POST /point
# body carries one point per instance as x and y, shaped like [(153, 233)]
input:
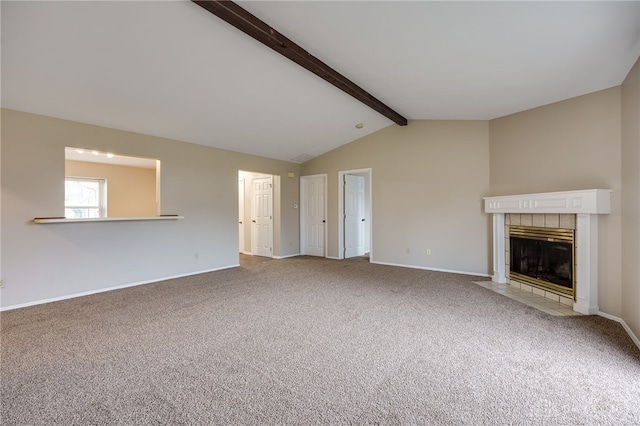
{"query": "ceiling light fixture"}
[(359, 126)]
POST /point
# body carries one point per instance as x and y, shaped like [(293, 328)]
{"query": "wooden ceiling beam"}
[(235, 15)]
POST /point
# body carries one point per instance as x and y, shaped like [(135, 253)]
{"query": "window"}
[(85, 198)]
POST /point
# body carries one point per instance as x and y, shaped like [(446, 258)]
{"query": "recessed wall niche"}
[(103, 184)]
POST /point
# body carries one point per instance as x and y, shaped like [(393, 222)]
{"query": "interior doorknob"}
[(240, 222), (363, 220), (324, 221), (253, 221)]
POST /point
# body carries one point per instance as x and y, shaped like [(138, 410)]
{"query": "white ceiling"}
[(172, 69)]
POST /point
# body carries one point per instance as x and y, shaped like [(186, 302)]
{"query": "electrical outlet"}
[(407, 250), (428, 252), (1, 283), (196, 256)]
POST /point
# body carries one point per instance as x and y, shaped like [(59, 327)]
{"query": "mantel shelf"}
[(105, 219), (589, 201)]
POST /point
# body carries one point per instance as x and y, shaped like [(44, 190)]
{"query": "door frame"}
[(303, 208), (368, 172), (248, 177), (241, 210), (253, 214)]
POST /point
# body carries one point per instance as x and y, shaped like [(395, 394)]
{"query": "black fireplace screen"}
[(549, 261)]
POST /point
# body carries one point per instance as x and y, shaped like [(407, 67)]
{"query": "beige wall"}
[(428, 180), (131, 191), (41, 262), (631, 199), (569, 145)]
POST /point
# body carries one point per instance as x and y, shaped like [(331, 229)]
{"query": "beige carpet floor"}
[(313, 341)]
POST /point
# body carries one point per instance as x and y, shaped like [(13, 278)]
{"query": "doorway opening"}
[(255, 213), (355, 217)]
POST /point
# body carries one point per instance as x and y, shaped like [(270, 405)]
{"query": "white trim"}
[(242, 187), (332, 257), (248, 253), (287, 256), (102, 290), (635, 338), (314, 176), (475, 274)]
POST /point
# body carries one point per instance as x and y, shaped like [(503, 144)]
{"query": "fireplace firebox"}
[(543, 258)]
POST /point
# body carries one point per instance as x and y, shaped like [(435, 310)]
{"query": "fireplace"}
[(543, 258), (547, 210)]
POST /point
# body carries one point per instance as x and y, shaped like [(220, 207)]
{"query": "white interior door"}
[(313, 215), (241, 215), (354, 216), (262, 233)]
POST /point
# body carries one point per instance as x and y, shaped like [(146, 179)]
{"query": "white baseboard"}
[(332, 257), (624, 325), (102, 290), (287, 256), (475, 274), (248, 253)]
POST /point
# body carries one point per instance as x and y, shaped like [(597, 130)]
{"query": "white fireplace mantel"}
[(588, 201), (586, 205)]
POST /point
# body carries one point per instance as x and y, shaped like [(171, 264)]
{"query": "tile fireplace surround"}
[(586, 205)]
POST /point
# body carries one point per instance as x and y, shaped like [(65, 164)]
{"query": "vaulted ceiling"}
[(172, 69)]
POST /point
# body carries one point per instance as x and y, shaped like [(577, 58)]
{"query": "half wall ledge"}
[(106, 219)]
